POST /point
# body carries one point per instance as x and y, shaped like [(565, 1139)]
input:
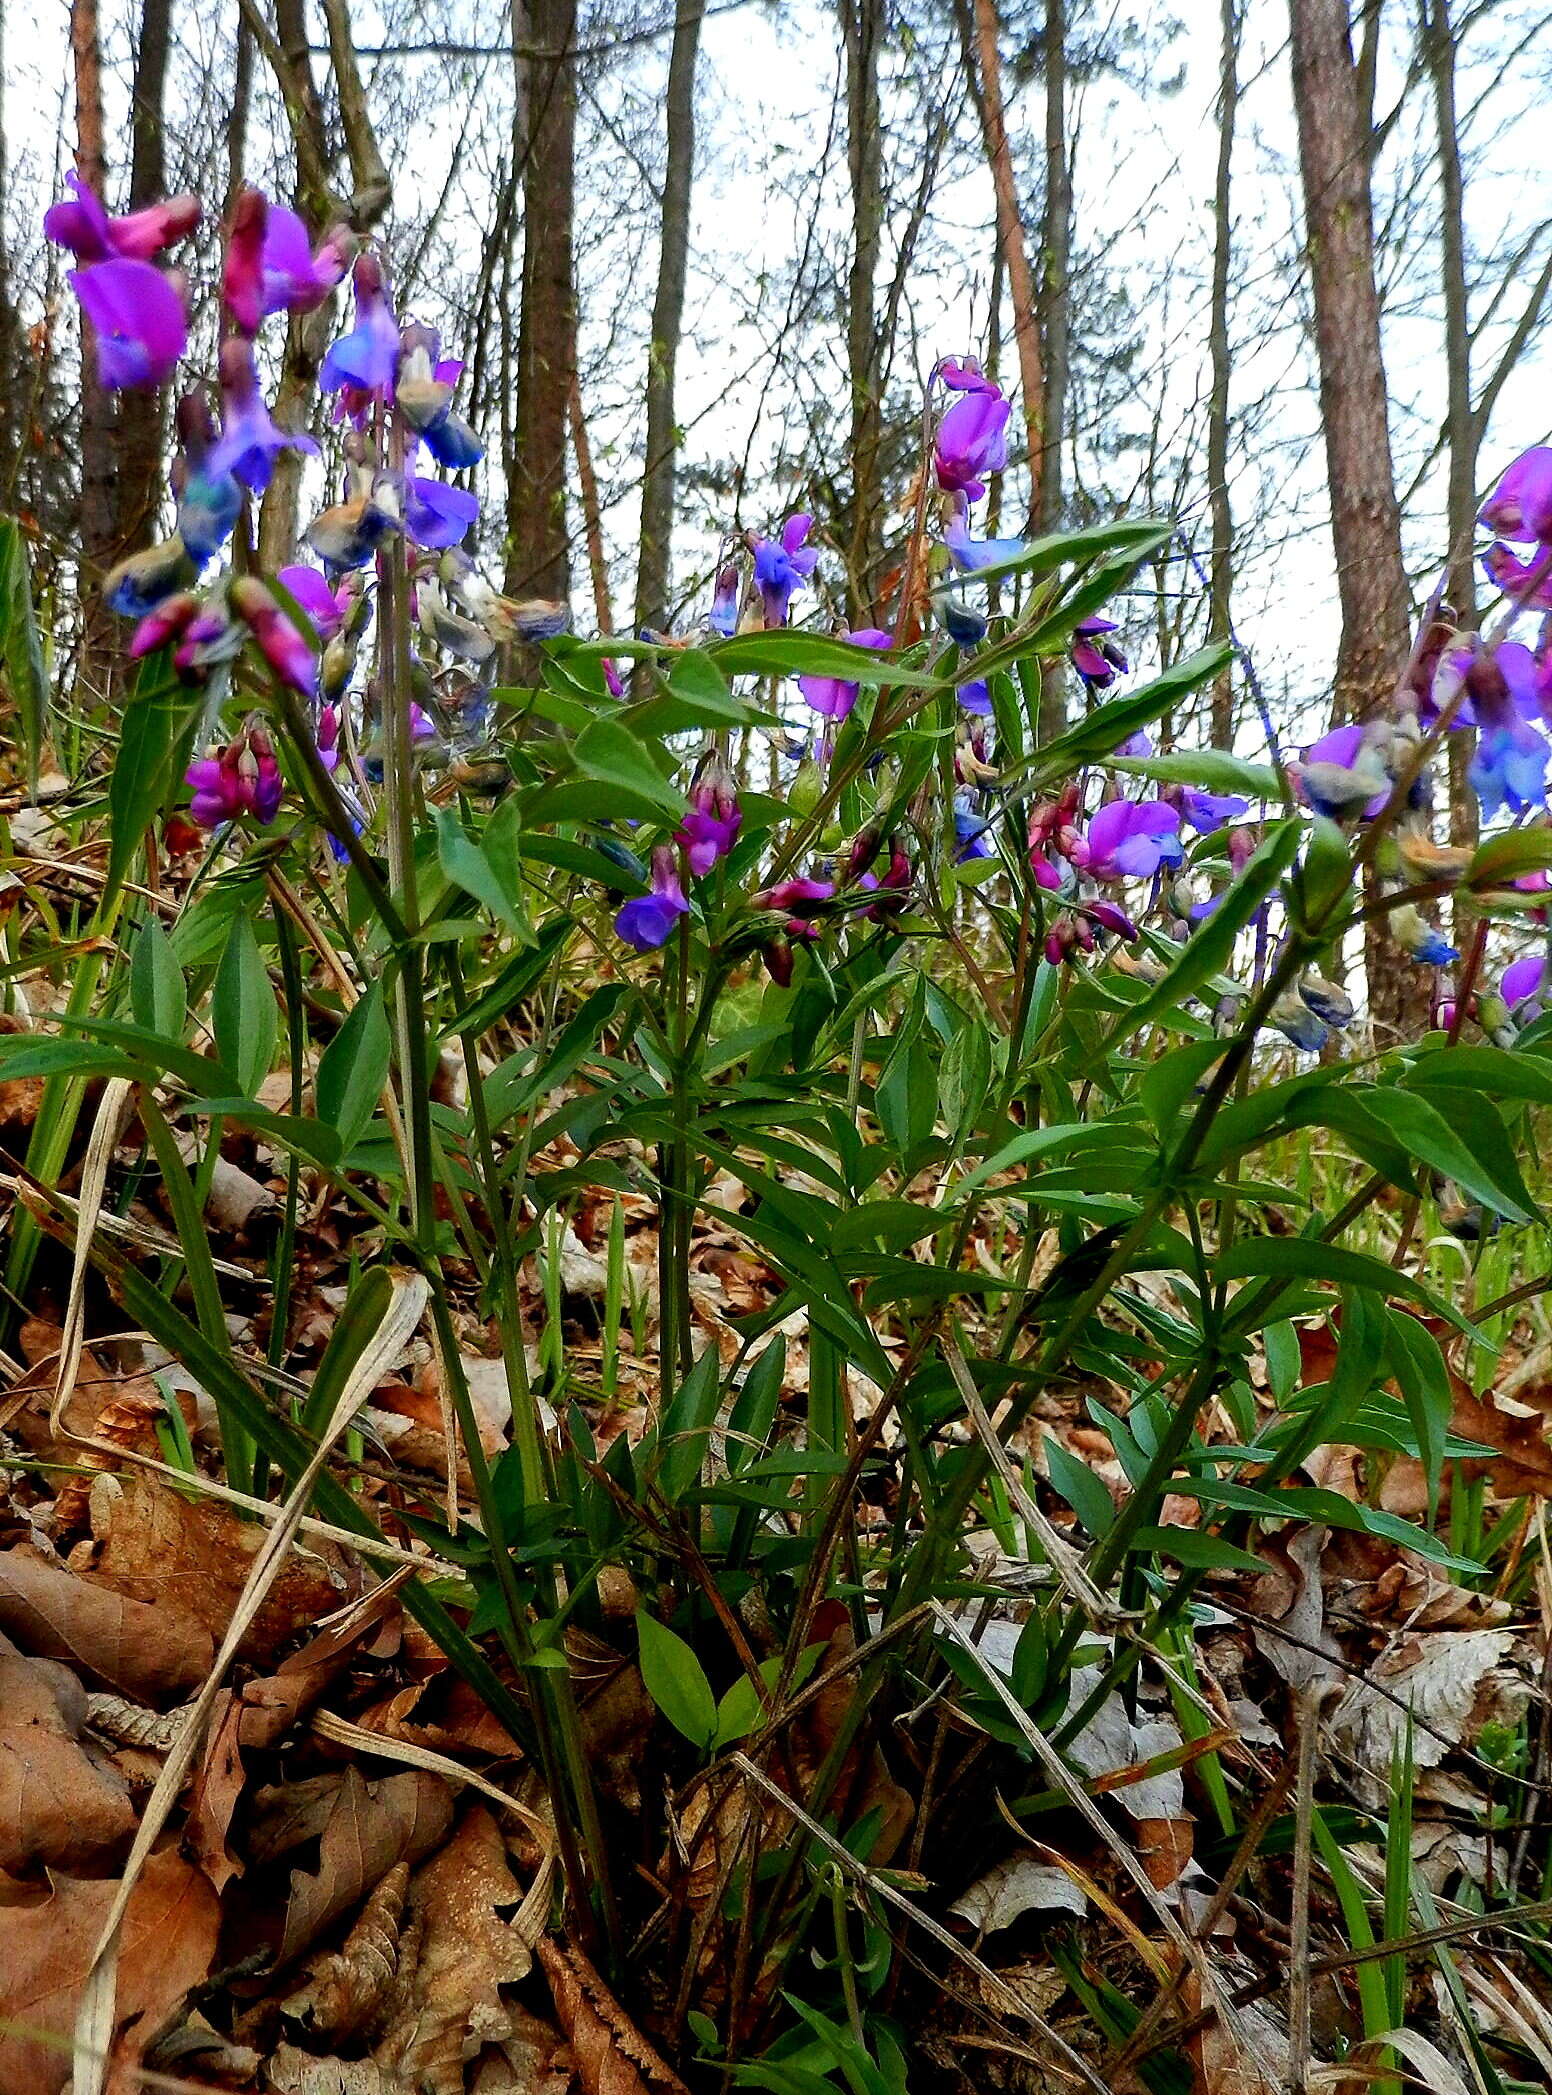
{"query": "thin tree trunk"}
[(538, 552), (237, 116), (1054, 289), (979, 31), (592, 510), (863, 27), (97, 417), (1219, 507), (137, 487), (655, 566), (13, 379), (1437, 35), (1365, 518)]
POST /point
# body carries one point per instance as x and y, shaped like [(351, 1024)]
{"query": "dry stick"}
[(993, 1982), (1308, 1709), (96, 2013)]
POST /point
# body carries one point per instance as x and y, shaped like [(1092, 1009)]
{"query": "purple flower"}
[(780, 569), (973, 554), (1520, 506), (137, 314), (1342, 774), (1097, 660), (802, 899), (834, 697), (1513, 577), (436, 515), (297, 277), (1207, 812), (81, 224), (710, 828), (723, 615), (1509, 768), (965, 377), (1129, 840), (1522, 980), (328, 737), (970, 829), (366, 359), (972, 441), (250, 441), (325, 607), (975, 697), (647, 921), (242, 779), (282, 644)]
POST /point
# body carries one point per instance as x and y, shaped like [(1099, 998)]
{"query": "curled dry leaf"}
[(370, 1827), (612, 2056), (447, 2002), (154, 1544), (342, 1994), (46, 1950), (1017, 1885), (1452, 1679), (58, 1806), (151, 1654), (294, 2072)]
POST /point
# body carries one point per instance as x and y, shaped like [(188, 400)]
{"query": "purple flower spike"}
[(366, 359), (250, 441), (137, 313), (834, 697), (647, 921), (1523, 980), (972, 441), (81, 224), (435, 515), (780, 570), (1520, 506), (1129, 840)]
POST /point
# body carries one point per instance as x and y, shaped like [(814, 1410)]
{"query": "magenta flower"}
[(1522, 980), (710, 828), (328, 737), (242, 779), (614, 683), (297, 276), (166, 623), (81, 224), (242, 276), (1520, 506), (965, 377), (1097, 660), (366, 359), (834, 697), (780, 570), (326, 607), (972, 441), (137, 314), (647, 921), (250, 441), (801, 899), (1129, 840), (288, 653), (1518, 578)]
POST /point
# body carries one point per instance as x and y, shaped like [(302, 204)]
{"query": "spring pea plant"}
[(977, 1043)]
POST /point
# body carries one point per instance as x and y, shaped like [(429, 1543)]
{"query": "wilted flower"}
[(723, 615), (834, 697), (138, 319), (1343, 774), (80, 223), (145, 579), (781, 569), (1417, 937), (964, 626), (1128, 840), (972, 436), (647, 921), (242, 779)]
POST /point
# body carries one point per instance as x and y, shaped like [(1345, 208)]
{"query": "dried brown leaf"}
[(342, 1994), (46, 1950), (58, 1806), (370, 1827), (294, 2072), (152, 1654), (448, 2005), (613, 2057)]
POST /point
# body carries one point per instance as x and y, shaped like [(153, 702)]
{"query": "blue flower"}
[(1509, 768)]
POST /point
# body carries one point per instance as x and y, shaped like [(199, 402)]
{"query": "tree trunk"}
[(97, 417), (13, 378), (538, 553), (137, 486), (1365, 519), (237, 116), (1054, 289), (863, 24), (654, 567), (979, 30), (1219, 508)]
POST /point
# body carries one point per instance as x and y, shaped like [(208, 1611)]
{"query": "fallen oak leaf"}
[(342, 1994), (371, 1826), (58, 1806), (151, 1654), (613, 2057)]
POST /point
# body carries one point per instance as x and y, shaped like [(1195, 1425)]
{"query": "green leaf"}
[(609, 753), (465, 863), (1088, 1495), (159, 723), (792, 652), (674, 1678), (1504, 858), (1211, 769), (1494, 1072), (684, 1435), (1324, 876), (353, 1069), (21, 651), (1211, 947), (1474, 1150), (1302, 1258), (156, 990), (1423, 1377), (1108, 726), (354, 1329), (965, 1079), (1129, 537), (243, 1016), (906, 1096)]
